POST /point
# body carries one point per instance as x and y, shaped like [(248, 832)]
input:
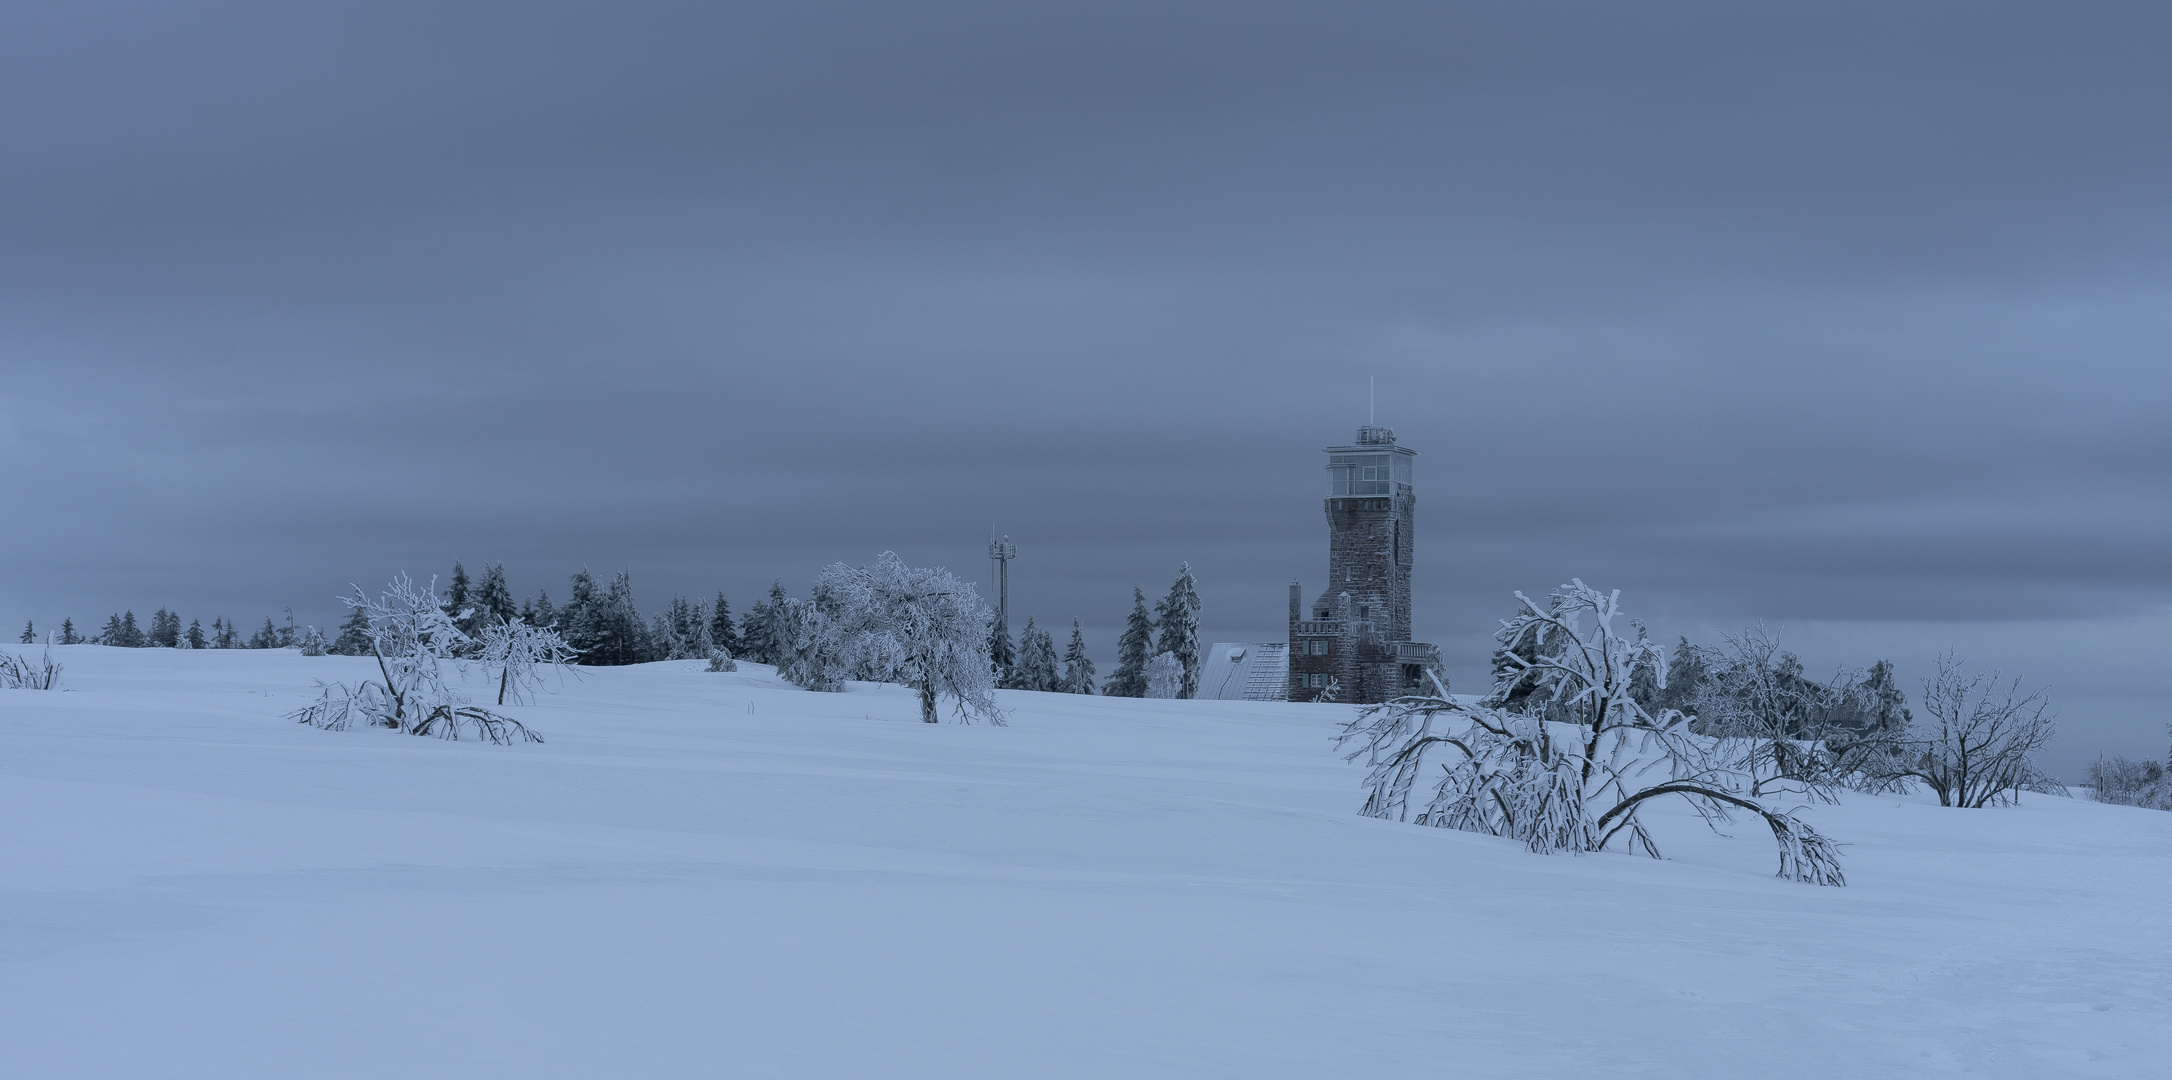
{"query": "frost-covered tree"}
[(122, 632), (1165, 676), (1078, 669), (165, 629), (195, 638), (1978, 741), (354, 634), (1176, 620), (457, 599), (809, 650), (414, 639), (68, 634), (520, 653), (764, 637), (313, 642), (722, 633), (1037, 665), (1569, 766), (2121, 782), (1133, 650), (266, 636), (918, 626), (30, 633), (494, 597), (539, 611)]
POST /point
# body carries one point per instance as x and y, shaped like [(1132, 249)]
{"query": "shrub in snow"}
[(1790, 733), (1165, 676), (720, 659), (1977, 744), (23, 673), (918, 626), (413, 638), (1560, 755), (519, 652), (2130, 783), (313, 642)]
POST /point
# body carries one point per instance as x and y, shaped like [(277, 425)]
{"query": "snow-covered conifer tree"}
[(493, 597), (1036, 668), (68, 634), (1078, 669), (1569, 767), (354, 636), (540, 612), (458, 604), (266, 636), (920, 627), (195, 637), (313, 643), (763, 635), (412, 638), (165, 629), (1133, 649), (1176, 619), (722, 633), (30, 633), (581, 620), (1165, 676)]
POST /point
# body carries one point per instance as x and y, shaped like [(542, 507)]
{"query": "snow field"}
[(673, 885)]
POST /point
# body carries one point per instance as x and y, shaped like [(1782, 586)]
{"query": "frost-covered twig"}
[(22, 673)]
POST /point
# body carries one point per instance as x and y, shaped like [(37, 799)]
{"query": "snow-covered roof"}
[(1245, 671)]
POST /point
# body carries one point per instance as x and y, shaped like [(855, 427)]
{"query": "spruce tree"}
[(540, 612), (1078, 670), (111, 634), (721, 633), (354, 634), (630, 637), (165, 629), (493, 598), (763, 626), (195, 636), (580, 622), (1002, 655), (68, 635), (30, 633), (456, 590), (1177, 618), (1132, 651), (227, 636), (266, 637), (131, 634), (1036, 668)]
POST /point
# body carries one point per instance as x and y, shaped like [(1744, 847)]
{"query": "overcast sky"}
[(1853, 319)]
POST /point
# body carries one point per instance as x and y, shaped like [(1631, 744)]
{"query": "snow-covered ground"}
[(720, 875)]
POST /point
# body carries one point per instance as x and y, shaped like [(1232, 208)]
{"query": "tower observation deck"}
[(1355, 636)]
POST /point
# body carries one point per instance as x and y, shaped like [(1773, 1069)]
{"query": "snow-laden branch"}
[(412, 638), (1561, 756)]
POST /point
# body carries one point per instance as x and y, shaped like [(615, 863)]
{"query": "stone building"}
[(1355, 637)]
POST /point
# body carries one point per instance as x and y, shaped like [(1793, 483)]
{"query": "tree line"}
[(166, 632)]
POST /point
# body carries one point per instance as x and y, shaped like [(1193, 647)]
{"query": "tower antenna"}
[(1368, 401)]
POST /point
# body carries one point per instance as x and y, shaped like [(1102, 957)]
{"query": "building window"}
[(1365, 611), (1316, 647)]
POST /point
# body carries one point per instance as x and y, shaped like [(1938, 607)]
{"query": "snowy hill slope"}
[(721, 875)]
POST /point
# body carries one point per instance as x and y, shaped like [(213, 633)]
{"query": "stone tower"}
[(1356, 635)]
